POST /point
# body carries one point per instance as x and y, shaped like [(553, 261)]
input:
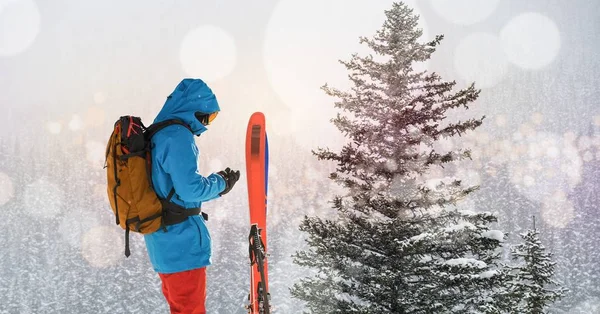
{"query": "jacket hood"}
[(189, 97)]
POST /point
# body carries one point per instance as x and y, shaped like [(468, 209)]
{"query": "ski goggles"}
[(206, 118)]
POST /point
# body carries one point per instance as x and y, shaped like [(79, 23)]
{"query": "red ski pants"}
[(185, 291)]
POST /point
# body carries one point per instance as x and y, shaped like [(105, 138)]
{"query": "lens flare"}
[(54, 127), (20, 26), (531, 40), (208, 52), (76, 123), (95, 116), (95, 153), (545, 163), (99, 98), (43, 198), (102, 246), (76, 222), (557, 210)]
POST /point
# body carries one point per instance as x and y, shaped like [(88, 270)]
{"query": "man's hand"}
[(231, 177)]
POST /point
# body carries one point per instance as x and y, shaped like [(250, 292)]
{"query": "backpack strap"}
[(155, 127), (151, 130), (172, 213)]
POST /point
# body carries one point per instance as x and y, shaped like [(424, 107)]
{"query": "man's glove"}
[(230, 177)]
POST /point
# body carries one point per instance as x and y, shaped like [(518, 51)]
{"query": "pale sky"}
[(57, 58)]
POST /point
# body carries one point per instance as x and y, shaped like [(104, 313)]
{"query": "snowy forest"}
[(433, 191)]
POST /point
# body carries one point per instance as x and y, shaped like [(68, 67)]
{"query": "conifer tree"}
[(531, 283), (398, 244)]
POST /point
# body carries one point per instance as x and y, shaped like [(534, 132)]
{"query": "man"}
[(181, 253)]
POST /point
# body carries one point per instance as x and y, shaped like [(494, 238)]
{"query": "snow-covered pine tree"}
[(398, 244), (531, 284)]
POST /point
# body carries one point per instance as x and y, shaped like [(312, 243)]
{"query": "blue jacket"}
[(186, 245)]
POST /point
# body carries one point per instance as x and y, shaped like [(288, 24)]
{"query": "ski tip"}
[(258, 115)]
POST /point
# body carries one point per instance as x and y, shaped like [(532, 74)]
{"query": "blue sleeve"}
[(181, 163)]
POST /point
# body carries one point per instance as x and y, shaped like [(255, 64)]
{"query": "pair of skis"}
[(257, 169)]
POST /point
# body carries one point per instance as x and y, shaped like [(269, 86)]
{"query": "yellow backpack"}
[(128, 166)]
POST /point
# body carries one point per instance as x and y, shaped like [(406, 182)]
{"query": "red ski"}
[(257, 165)]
